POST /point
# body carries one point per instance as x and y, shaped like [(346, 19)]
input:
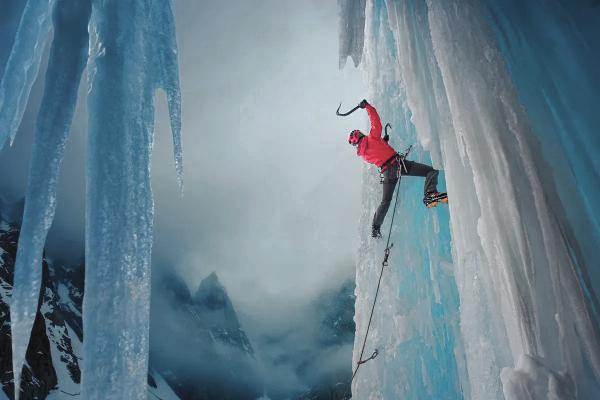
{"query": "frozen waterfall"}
[(493, 297)]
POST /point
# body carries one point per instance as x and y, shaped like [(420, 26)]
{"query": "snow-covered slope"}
[(54, 354), (492, 297)]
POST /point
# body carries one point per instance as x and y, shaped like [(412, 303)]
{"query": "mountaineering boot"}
[(431, 199), (375, 232)]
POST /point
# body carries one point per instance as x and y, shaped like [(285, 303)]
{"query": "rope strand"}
[(383, 265)]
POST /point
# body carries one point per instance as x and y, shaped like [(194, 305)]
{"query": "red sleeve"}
[(375, 122)]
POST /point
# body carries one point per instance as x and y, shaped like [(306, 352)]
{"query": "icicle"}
[(23, 66), (67, 60), (166, 54), (134, 55)]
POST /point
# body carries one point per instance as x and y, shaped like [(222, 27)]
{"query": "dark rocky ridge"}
[(39, 375)]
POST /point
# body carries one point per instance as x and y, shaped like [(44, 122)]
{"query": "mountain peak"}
[(212, 278), (213, 303)]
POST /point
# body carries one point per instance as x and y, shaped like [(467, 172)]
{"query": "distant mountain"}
[(198, 344), (220, 354), (199, 350), (215, 311), (54, 353)]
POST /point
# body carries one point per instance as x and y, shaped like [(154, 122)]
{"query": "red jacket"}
[(372, 148)]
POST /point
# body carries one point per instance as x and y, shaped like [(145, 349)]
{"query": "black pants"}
[(390, 178)]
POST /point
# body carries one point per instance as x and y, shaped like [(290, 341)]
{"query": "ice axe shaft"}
[(346, 113)]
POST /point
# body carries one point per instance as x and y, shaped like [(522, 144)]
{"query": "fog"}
[(272, 189), (271, 186)]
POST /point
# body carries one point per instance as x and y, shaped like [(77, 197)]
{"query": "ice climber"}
[(375, 150)]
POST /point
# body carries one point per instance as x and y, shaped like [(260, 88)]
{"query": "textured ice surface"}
[(133, 54), (22, 66), (519, 266), (68, 58), (555, 74), (415, 326)]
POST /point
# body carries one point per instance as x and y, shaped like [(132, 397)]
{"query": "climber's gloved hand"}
[(363, 104), (386, 138)]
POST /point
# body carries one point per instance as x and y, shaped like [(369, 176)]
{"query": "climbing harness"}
[(384, 263), (397, 158), (402, 157)]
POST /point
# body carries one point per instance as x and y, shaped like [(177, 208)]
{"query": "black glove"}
[(363, 104), (386, 138)]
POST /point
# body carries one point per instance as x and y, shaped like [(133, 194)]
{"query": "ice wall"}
[(133, 54), (553, 56), (526, 320)]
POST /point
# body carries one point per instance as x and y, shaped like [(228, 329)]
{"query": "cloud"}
[(272, 191)]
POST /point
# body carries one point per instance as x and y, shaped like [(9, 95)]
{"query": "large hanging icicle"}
[(134, 54), (167, 74), (23, 65), (68, 58), (527, 324)]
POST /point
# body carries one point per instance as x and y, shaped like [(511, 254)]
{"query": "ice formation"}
[(492, 298), (68, 58), (133, 53)]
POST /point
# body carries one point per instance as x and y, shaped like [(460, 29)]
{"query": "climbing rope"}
[(384, 264)]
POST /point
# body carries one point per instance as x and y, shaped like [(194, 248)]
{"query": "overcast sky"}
[(272, 189)]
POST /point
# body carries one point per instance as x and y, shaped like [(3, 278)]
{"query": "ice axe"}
[(346, 113)]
